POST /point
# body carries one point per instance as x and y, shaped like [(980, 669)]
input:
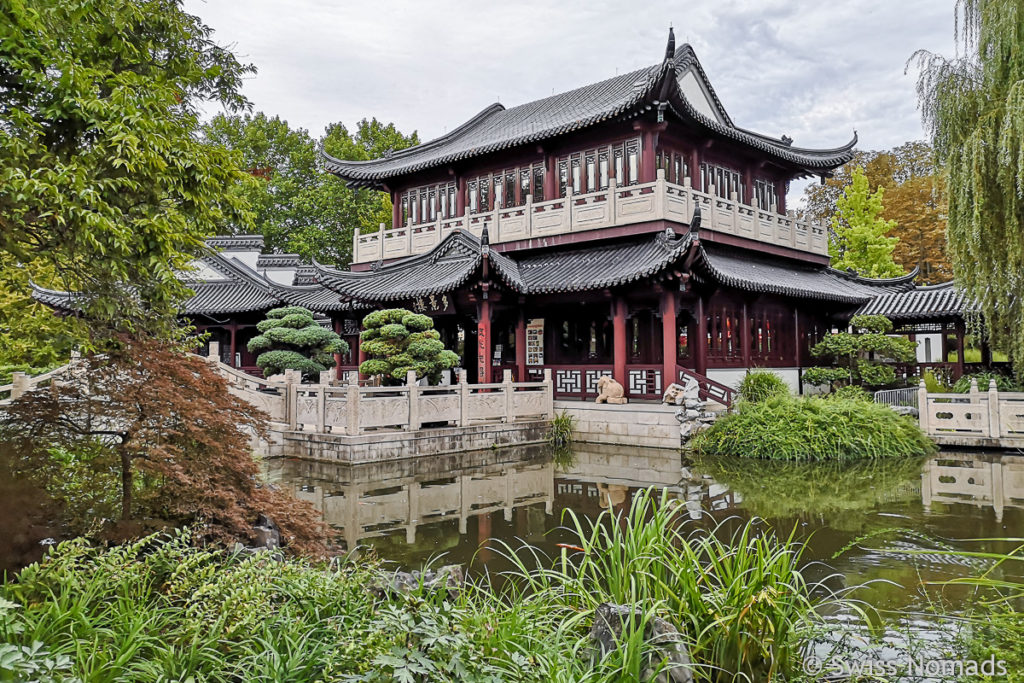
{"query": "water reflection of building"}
[(379, 499), (981, 479)]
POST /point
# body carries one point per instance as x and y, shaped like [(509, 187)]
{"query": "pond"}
[(461, 508)]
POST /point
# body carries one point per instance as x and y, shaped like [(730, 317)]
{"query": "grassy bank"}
[(161, 609), (795, 428)]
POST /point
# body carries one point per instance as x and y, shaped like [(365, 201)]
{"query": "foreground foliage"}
[(290, 339), (800, 428), (760, 385), (101, 173), (973, 106), (155, 438), (162, 609)]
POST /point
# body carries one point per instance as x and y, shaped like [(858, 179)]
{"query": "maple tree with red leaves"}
[(181, 441)]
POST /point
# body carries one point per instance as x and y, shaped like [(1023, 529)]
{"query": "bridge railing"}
[(327, 407), (991, 414), (21, 383)]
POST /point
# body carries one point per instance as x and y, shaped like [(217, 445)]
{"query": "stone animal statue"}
[(609, 391)]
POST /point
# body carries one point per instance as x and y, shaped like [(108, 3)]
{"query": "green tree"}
[(290, 339), (973, 106), (915, 197), (300, 207), (859, 241), (857, 357), (101, 172), (396, 341)]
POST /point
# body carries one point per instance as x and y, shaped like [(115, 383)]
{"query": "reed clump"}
[(802, 428)]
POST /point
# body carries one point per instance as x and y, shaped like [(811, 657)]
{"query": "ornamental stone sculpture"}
[(610, 391)]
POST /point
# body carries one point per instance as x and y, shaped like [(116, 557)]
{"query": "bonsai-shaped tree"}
[(856, 356), (290, 339), (396, 341)]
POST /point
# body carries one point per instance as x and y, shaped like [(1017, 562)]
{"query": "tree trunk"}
[(127, 484)]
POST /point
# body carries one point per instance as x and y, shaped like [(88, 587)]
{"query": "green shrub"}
[(792, 428), (850, 393), (397, 341), (290, 339), (1003, 382), (934, 384), (760, 385)]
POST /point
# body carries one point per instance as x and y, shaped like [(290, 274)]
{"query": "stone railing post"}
[(508, 389), (994, 427), (660, 188), (19, 384), (922, 406), (613, 191), (549, 390), (214, 353), (463, 400), (413, 391), (975, 394), (321, 401), (327, 377), (352, 409), (528, 215), (292, 380), (568, 205)]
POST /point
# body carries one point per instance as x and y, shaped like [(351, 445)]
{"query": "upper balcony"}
[(609, 208)]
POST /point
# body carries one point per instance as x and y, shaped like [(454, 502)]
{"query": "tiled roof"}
[(229, 296), (278, 261), (236, 242), (794, 279), (918, 304), (496, 128), (596, 267), (442, 269)]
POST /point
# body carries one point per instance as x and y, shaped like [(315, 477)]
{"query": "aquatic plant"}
[(795, 428), (760, 385), (560, 439)]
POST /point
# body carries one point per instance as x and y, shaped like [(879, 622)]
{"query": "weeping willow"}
[(973, 106)]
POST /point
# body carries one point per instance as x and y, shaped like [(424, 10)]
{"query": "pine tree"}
[(397, 341), (973, 106), (290, 339), (860, 233)]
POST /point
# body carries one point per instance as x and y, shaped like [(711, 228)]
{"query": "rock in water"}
[(606, 634)]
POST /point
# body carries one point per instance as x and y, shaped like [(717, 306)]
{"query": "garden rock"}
[(606, 633), (906, 410), (674, 394), (265, 533), (449, 576)]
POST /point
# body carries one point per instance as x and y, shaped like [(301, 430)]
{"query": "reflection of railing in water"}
[(377, 501), (973, 478)]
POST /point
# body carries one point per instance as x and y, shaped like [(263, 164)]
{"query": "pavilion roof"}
[(791, 278), (920, 304), (660, 86)]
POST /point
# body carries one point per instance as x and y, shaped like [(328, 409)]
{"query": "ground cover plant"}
[(164, 609), (760, 385), (806, 428)]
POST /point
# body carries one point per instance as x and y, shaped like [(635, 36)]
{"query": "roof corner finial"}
[(670, 49), (695, 221), (485, 239)]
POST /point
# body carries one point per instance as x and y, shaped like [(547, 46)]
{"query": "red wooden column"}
[(669, 338), (700, 361), (745, 340), (396, 209), (361, 355), (550, 177), (695, 169), (619, 340), (233, 328), (483, 343), (460, 198), (521, 346), (780, 192)]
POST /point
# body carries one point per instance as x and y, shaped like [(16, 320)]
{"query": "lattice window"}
[(766, 195), (591, 379), (726, 181), (644, 382), (567, 381)]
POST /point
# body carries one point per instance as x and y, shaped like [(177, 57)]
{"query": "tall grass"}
[(161, 609), (784, 428), (761, 385)]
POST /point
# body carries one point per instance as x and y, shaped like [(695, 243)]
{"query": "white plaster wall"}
[(282, 276), (933, 345), (733, 376)]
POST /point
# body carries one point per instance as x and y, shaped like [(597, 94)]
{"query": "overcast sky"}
[(810, 69)]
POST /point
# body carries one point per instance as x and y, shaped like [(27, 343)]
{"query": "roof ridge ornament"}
[(670, 49), (695, 221)]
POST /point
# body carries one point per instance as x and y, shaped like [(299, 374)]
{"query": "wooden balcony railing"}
[(613, 207)]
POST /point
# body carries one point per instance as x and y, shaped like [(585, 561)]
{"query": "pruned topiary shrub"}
[(795, 428), (855, 357), (760, 385), (396, 341), (290, 339)]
